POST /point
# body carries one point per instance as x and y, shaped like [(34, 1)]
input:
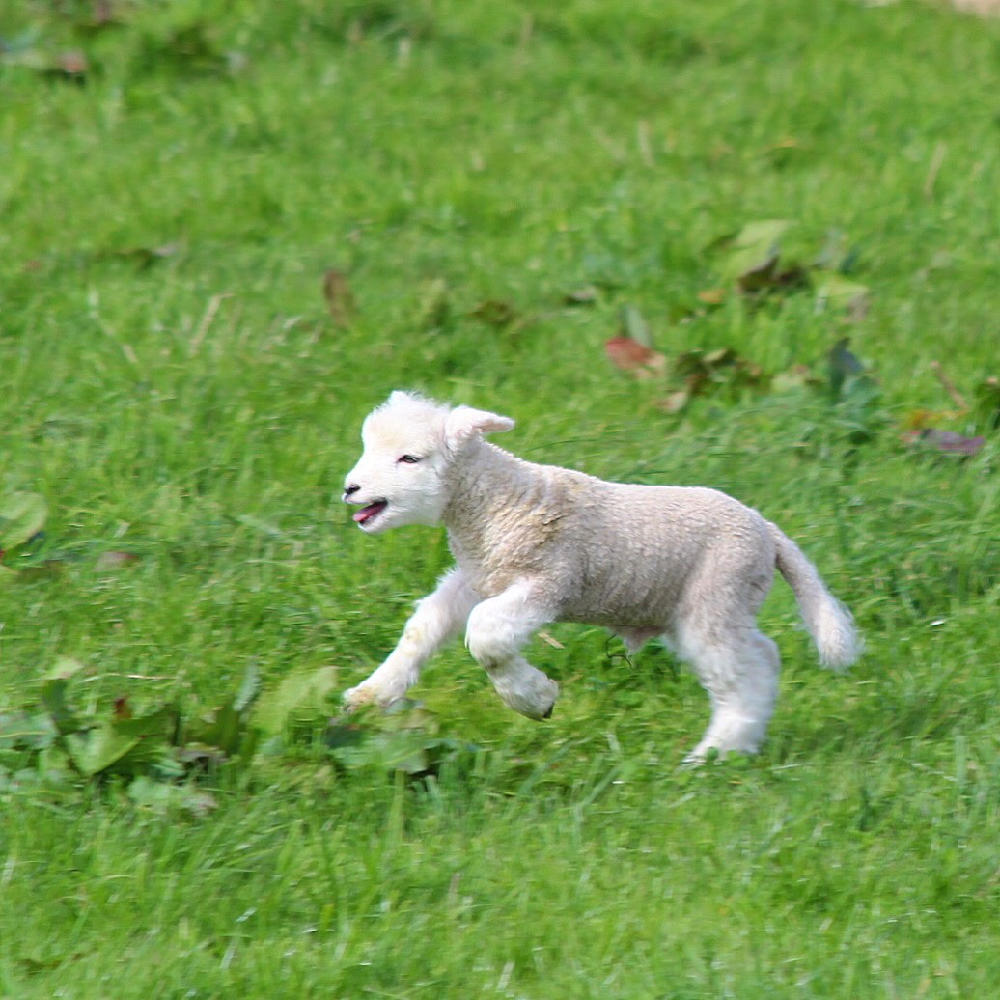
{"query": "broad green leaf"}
[(22, 516), (300, 698), (755, 249), (414, 753), (249, 688), (163, 796), (124, 745), (837, 292), (26, 730), (53, 694), (224, 729), (97, 749), (841, 364), (635, 327)]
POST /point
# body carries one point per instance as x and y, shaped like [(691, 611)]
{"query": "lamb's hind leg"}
[(497, 629), (740, 672)]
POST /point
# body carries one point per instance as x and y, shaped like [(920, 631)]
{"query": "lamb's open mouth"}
[(371, 510)]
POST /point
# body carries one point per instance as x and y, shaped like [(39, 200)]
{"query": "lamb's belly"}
[(623, 602)]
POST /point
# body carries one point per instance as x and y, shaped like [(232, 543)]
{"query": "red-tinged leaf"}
[(72, 63), (947, 442), (107, 561), (122, 711), (338, 295), (634, 358)]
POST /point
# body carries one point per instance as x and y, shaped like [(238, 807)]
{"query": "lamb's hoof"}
[(358, 697), (547, 714)]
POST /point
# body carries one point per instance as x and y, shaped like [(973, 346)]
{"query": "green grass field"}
[(501, 188)]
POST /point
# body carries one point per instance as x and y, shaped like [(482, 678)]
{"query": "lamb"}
[(535, 544)]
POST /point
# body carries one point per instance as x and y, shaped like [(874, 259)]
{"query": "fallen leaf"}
[(712, 296), (675, 402), (147, 256), (22, 517), (703, 371), (837, 292), (922, 419), (188, 49), (494, 312), (948, 442), (637, 359), (68, 65), (585, 296), (72, 63), (754, 251), (115, 560), (834, 255), (338, 295), (161, 797)]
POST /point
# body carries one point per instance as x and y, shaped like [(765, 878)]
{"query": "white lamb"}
[(538, 543)]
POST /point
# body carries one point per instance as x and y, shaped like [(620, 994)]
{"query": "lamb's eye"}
[(408, 459)]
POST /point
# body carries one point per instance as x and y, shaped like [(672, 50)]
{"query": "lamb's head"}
[(409, 444)]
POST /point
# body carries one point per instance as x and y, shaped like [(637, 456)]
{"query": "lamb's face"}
[(399, 478), (409, 443)]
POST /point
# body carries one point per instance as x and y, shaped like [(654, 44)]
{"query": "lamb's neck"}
[(485, 484)]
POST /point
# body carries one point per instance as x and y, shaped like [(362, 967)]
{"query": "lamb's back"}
[(629, 551)]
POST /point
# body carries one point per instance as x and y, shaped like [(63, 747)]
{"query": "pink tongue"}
[(367, 512)]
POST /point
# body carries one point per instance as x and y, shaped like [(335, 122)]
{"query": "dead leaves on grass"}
[(756, 264)]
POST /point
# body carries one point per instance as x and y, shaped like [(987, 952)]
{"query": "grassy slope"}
[(514, 153)]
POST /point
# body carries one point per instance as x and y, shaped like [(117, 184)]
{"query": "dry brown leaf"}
[(631, 356), (338, 295)]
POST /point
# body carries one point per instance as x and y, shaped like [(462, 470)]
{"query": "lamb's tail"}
[(828, 621)]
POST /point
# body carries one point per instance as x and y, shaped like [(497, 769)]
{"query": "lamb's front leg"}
[(497, 630), (437, 618)]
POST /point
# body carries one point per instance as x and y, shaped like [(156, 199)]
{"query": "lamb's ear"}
[(399, 396), (464, 422)]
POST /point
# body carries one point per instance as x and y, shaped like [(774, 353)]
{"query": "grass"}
[(175, 387)]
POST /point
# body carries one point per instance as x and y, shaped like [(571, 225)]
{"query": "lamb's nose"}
[(348, 490)]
